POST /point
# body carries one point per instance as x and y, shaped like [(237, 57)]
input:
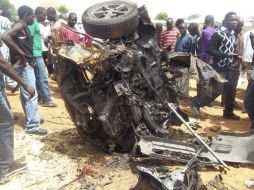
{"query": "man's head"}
[(72, 20), (63, 16), (26, 14), (159, 27), (193, 29), (209, 21), (51, 14), (170, 23), (239, 26), (40, 14), (230, 20), (6, 13), (183, 28), (178, 22)]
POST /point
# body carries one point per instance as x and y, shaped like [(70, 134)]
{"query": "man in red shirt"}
[(68, 33), (169, 36)]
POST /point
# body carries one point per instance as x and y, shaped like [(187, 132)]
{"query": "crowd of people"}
[(25, 48), (26, 44), (223, 47)]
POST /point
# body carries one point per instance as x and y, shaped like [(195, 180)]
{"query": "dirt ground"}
[(53, 161)]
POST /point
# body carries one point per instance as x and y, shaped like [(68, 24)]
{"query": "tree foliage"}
[(6, 5), (194, 16), (161, 16), (63, 9)]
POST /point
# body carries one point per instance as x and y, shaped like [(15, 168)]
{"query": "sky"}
[(174, 8)]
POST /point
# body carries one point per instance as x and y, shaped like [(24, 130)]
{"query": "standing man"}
[(5, 25), (42, 84), (247, 57), (237, 62), (184, 42), (194, 32), (20, 43), (56, 25), (169, 36), (7, 165), (159, 29), (206, 36), (221, 47), (45, 33), (249, 94), (69, 32)]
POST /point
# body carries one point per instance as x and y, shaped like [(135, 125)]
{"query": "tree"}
[(63, 9), (161, 16), (194, 16), (6, 5)]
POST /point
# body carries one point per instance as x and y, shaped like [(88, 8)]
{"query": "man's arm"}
[(191, 45), (252, 40), (8, 70), (7, 38), (213, 45)]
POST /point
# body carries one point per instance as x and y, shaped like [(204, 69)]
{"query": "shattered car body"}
[(233, 147), (162, 179), (120, 92)]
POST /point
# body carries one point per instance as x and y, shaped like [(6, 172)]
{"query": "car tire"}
[(111, 19)]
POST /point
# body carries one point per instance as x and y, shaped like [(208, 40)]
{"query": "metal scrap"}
[(162, 179), (234, 147)]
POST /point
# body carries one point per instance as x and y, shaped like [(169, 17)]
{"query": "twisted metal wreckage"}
[(125, 96)]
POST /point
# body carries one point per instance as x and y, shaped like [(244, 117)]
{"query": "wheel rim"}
[(111, 11)]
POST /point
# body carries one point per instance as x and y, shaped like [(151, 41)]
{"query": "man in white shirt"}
[(45, 33), (5, 24), (249, 94), (247, 58)]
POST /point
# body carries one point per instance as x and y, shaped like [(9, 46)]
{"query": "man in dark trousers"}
[(7, 165), (249, 94), (221, 47), (20, 43)]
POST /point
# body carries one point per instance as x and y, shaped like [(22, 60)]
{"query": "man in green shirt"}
[(42, 84)]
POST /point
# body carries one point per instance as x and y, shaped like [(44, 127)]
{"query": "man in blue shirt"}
[(184, 42)]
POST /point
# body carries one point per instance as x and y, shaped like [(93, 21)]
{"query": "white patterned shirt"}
[(5, 24)]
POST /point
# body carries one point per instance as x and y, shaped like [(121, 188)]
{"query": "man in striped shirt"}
[(169, 36)]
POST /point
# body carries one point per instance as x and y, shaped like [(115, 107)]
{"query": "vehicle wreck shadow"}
[(211, 117), (68, 142)]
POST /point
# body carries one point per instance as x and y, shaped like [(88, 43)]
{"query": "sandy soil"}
[(54, 160)]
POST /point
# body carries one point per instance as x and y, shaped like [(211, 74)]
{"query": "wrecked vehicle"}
[(125, 96), (123, 92), (118, 93)]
